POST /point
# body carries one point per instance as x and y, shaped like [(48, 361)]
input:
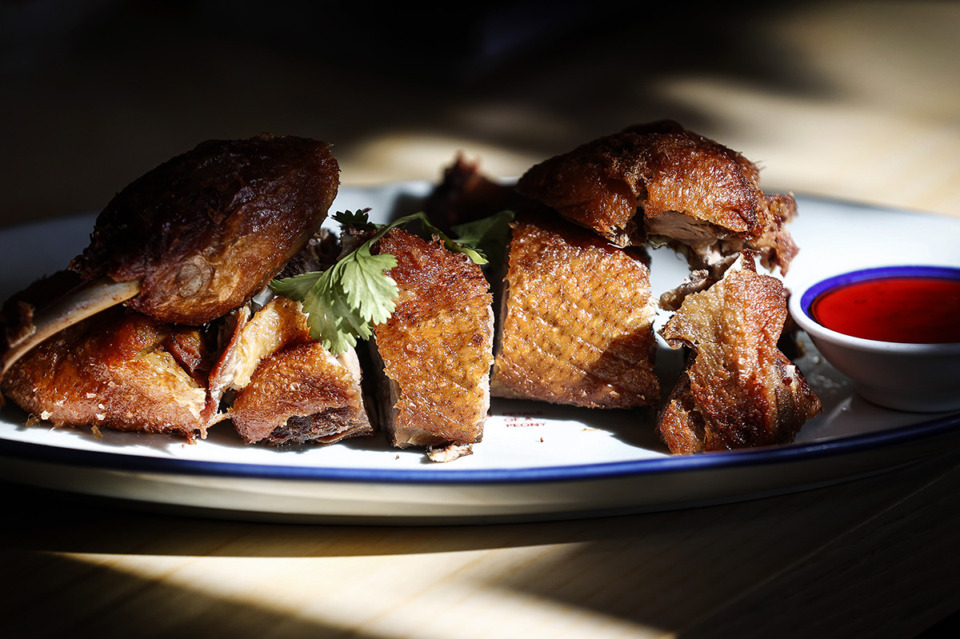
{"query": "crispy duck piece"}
[(120, 370), (662, 183), (437, 347), (279, 324), (576, 320), (195, 237), (575, 313), (287, 388), (738, 389), (465, 194)]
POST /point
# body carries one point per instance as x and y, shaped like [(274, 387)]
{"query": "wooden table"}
[(850, 100)]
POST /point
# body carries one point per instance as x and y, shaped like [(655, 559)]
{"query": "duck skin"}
[(437, 347), (574, 312), (738, 390), (660, 182), (284, 388), (576, 319), (121, 370), (195, 237)]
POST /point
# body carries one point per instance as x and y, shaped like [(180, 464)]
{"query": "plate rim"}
[(669, 464), (935, 425)]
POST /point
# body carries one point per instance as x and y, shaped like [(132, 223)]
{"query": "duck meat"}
[(436, 349), (196, 237), (662, 183), (738, 389)]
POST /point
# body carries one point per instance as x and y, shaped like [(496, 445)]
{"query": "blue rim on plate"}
[(939, 426), (825, 222)]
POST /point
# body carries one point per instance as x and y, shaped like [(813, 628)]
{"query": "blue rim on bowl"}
[(801, 305), (917, 377)]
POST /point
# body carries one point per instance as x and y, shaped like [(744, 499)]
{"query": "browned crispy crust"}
[(279, 324), (661, 181), (206, 230), (738, 390), (301, 394), (437, 346), (118, 370), (288, 388), (576, 320)]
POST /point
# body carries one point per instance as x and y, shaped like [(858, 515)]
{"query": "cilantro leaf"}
[(296, 287), (332, 322), (355, 218), (367, 287), (344, 302), (488, 235)]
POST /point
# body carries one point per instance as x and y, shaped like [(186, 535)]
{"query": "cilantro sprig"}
[(487, 235), (345, 302)]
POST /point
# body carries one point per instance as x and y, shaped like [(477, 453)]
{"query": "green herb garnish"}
[(488, 235), (344, 302)]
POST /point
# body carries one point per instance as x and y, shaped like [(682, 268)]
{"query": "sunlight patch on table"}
[(378, 596), (803, 145)]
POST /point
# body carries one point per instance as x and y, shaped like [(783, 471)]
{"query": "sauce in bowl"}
[(911, 305), (895, 331)]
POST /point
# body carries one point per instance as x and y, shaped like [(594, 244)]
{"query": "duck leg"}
[(196, 237), (84, 300)]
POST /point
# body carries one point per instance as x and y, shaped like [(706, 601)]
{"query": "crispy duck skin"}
[(289, 389), (437, 347), (738, 390), (576, 320), (660, 181), (194, 238), (120, 370), (205, 231), (465, 194), (302, 394), (280, 323)]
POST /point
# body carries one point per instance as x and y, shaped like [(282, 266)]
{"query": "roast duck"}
[(166, 322)]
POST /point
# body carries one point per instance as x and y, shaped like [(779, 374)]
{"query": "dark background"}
[(93, 94)]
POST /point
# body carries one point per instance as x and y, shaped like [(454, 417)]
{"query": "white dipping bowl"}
[(902, 376)]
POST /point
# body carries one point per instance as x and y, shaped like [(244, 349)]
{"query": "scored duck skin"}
[(576, 320), (599, 354), (738, 390), (437, 346), (661, 182)]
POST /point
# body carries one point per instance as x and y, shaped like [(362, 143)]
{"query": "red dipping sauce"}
[(913, 305)]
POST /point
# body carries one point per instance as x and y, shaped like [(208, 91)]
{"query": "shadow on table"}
[(733, 565)]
